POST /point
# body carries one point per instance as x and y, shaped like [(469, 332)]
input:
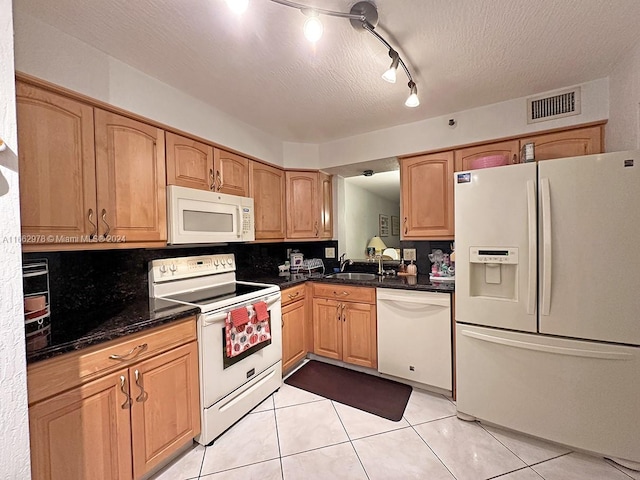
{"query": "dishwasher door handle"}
[(405, 299), (413, 306)]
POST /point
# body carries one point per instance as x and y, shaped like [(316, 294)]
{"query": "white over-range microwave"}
[(199, 216)]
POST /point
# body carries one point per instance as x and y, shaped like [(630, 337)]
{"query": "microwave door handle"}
[(239, 222)]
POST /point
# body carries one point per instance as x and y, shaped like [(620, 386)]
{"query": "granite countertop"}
[(85, 328), (419, 282)]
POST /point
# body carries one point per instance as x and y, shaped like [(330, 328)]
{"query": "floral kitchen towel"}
[(245, 336)]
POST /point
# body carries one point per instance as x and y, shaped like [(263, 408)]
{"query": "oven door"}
[(221, 375)]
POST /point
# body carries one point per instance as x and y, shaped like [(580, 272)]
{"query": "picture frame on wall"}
[(395, 226), (384, 225)]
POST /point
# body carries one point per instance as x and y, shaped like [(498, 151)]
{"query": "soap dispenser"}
[(412, 269), (402, 268)]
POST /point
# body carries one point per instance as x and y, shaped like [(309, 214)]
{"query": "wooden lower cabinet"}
[(121, 425), (294, 346), (83, 433), (165, 411), (295, 326), (345, 330)]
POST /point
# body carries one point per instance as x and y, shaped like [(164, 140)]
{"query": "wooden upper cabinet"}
[(465, 156), (303, 210), (569, 143), (267, 188), (326, 205), (130, 172), (189, 163), (56, 163), (231, 173), (426, 184)]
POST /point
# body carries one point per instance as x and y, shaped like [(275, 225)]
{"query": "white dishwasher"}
[(414, 336)]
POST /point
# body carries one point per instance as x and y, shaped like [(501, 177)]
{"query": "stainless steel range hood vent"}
[(562, 104)]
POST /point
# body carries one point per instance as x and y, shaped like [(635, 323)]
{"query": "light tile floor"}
[(295, 435)]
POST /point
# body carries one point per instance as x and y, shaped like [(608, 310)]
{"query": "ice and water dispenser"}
[(494, 272)]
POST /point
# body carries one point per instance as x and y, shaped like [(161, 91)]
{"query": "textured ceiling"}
[(260, 69)]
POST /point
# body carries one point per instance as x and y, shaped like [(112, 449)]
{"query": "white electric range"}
[(229, 386)]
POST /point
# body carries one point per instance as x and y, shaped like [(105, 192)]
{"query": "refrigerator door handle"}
[(546, 348), (546, 246), (531, 218)]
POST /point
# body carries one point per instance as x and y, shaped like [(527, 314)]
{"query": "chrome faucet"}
[(380, 265), (344, 262)]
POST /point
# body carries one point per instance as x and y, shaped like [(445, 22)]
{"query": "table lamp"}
[(377, 244)]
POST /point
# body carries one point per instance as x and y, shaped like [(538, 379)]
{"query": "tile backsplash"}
[(93, 279)]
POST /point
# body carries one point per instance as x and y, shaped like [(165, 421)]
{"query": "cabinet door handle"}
[(344, 318), (123, 389), (338, 311), (95, 227), (128, 356), (219, 177), (143, 395), (315, 225), (294, 295), (104, 219), (212, 182), (342, 293), (405, 225)]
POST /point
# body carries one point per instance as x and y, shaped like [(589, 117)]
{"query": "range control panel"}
[(187, 267), (493, 255)]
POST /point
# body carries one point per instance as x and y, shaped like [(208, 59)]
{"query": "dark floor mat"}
[(376, 395)]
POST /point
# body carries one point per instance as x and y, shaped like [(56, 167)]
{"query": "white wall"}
[(623, 129), (361, 219), (50, 54), (301, 155), (479, 124), (14, 426)]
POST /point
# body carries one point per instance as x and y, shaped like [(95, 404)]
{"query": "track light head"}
[(238, 6), (313, 28), (413, 100), (390, 75)]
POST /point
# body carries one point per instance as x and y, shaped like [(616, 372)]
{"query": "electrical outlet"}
[(330, 252), (409, 254), (288, 253)]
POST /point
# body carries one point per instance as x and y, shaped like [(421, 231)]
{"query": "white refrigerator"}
[(548, 300)]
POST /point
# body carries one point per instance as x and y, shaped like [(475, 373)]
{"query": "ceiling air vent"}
[(562, 104)]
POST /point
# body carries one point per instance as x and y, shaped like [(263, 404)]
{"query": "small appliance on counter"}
[(37, 314)]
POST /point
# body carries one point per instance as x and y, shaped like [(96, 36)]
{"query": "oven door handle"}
[(210, 319)]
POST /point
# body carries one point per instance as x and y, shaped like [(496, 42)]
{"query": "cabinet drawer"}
[(58, 374), (293, 294), (344, 292)]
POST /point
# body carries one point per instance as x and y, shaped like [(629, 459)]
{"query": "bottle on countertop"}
[(412, 269), (402, 268)]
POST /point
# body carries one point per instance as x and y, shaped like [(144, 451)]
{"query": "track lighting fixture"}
[(363, 16)]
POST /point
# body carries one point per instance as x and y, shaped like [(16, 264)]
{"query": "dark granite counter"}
[(83, 329), (419, 282)]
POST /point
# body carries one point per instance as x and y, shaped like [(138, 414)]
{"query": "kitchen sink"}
[(353, 276)]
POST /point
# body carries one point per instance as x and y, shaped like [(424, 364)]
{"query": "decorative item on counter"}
[(441, 269)]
